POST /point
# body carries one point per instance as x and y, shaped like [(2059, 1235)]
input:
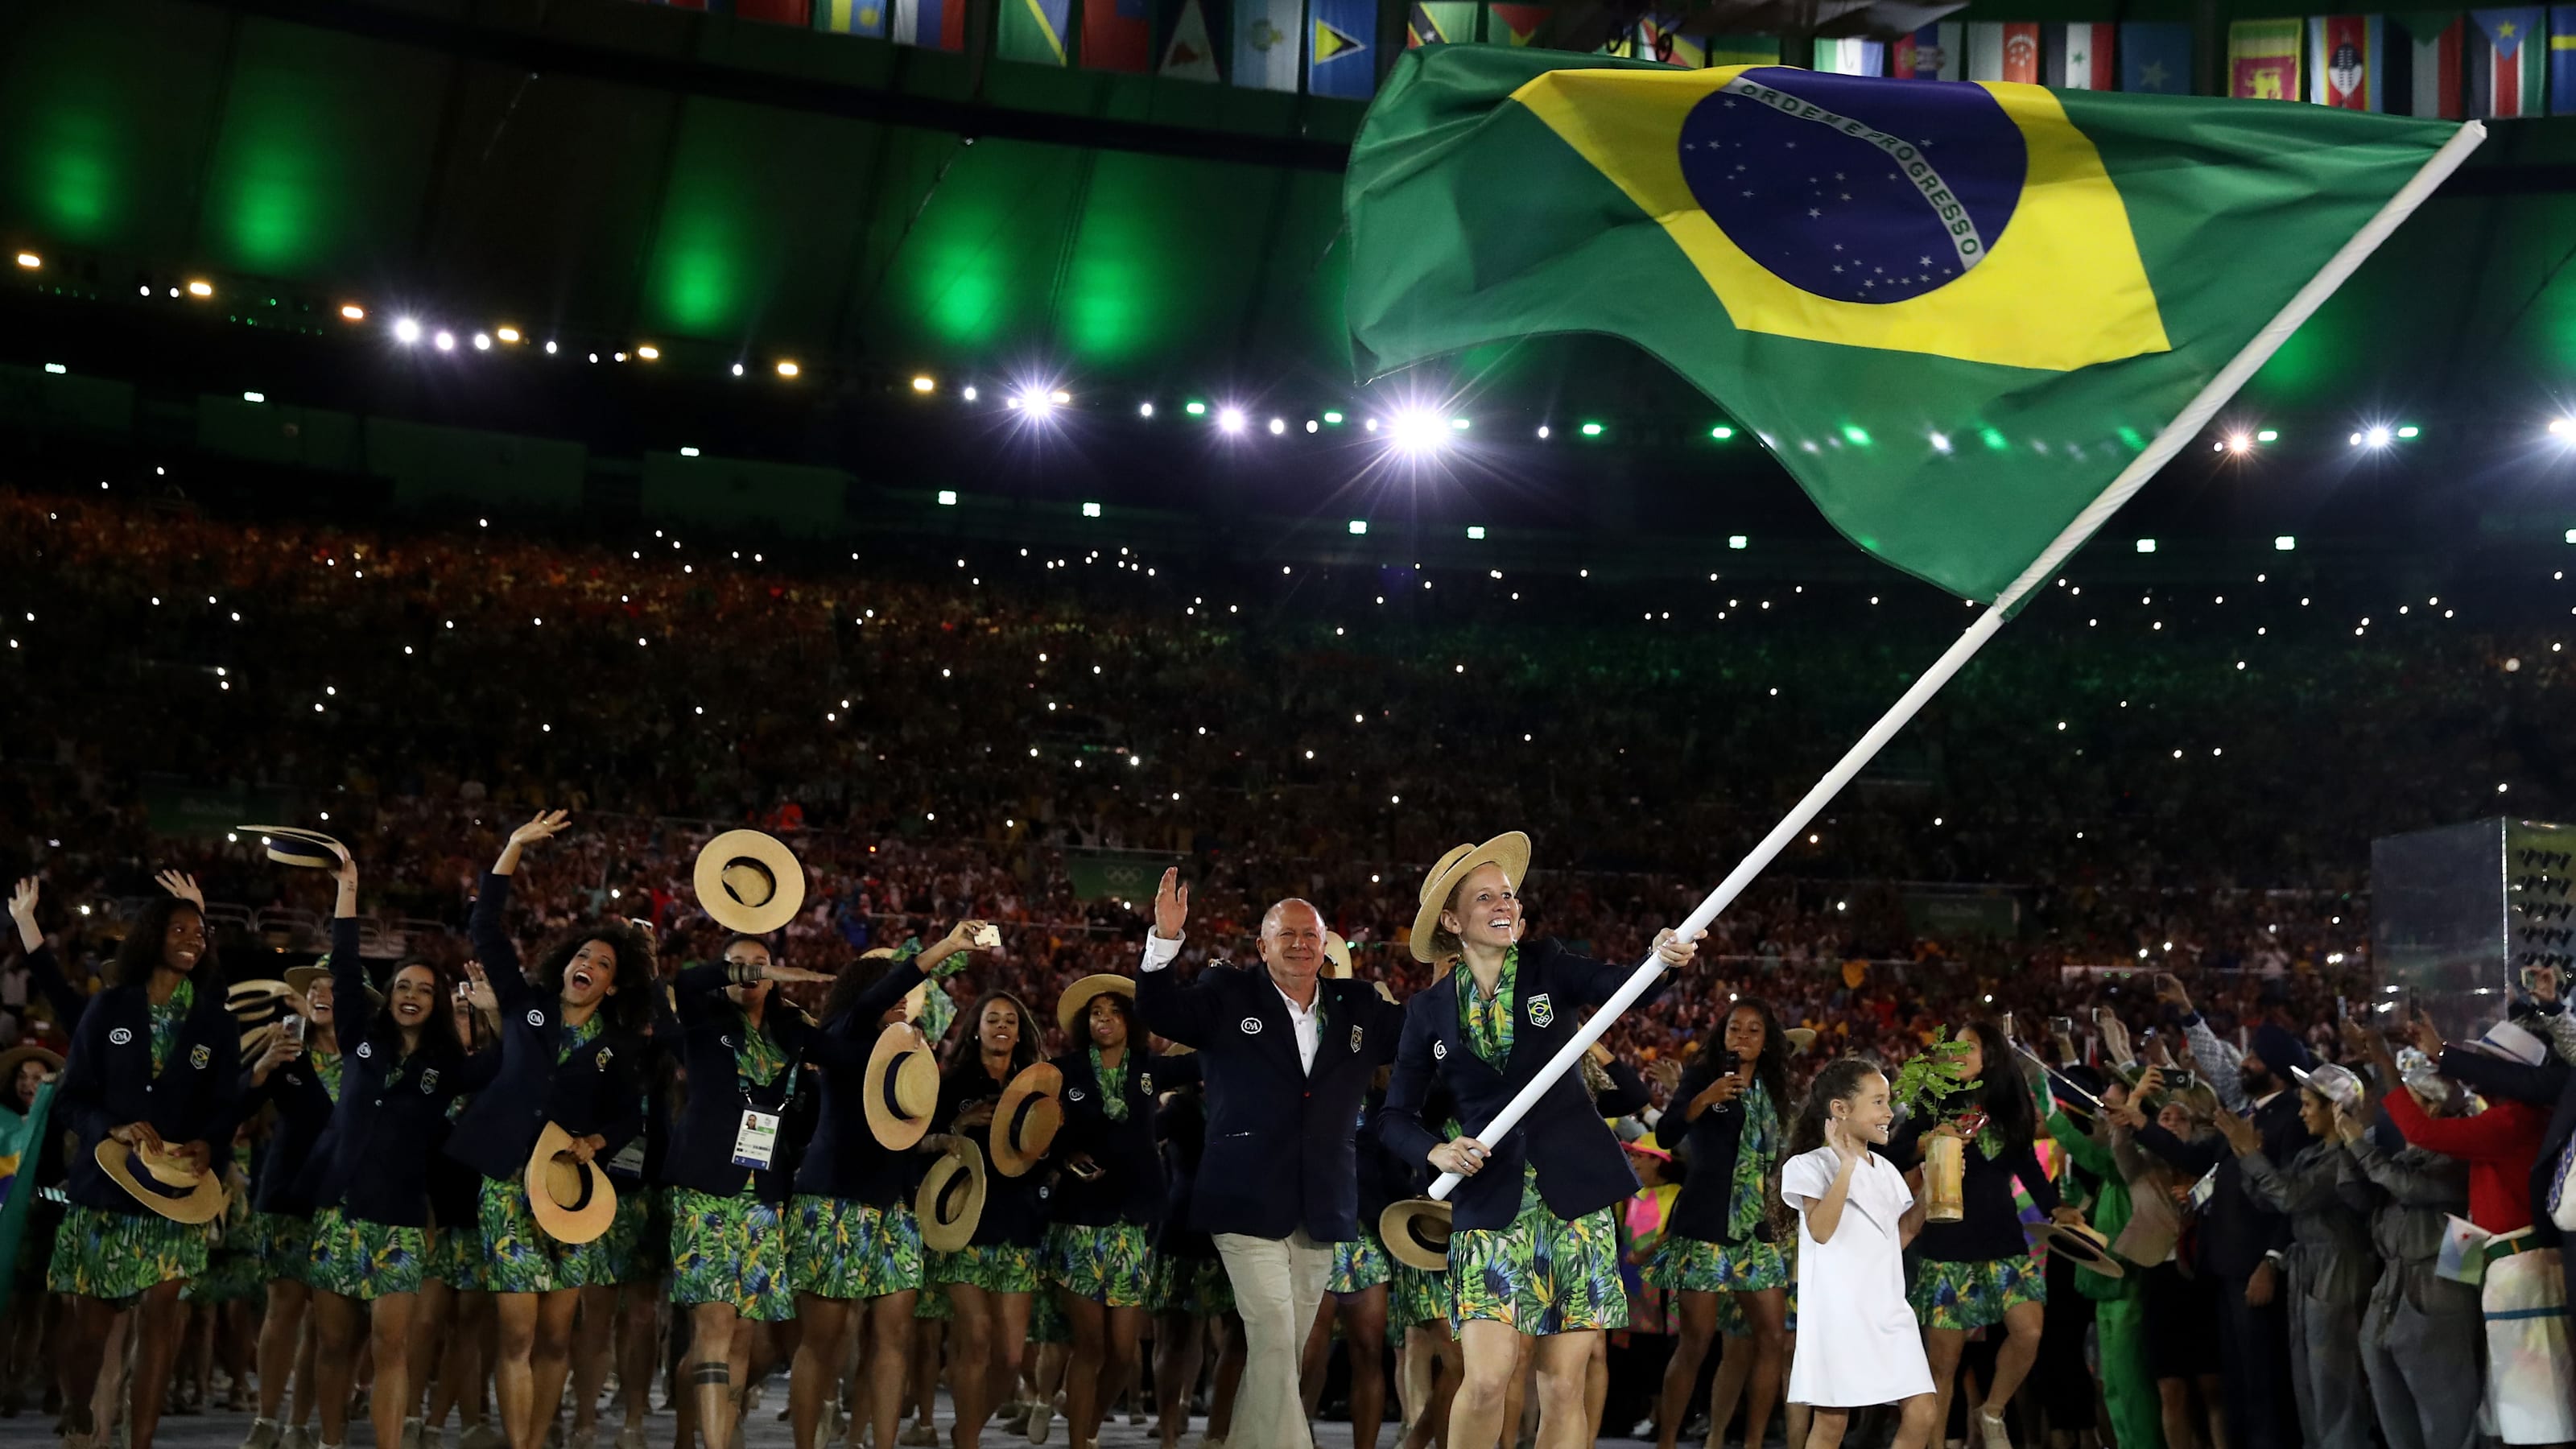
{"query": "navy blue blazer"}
[(1182, 1123), (1130, 1188), (280, 1181), (701, 1155), (1580, 1165), (1015, 1208), (844, 1159), (598, 1090), (108, 1082), (1280, 1151), (391, 1119)]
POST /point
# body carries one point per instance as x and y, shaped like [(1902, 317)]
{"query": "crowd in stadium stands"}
[(2144, 780)]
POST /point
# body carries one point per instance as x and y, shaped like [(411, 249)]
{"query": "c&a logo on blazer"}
[(120, 1036), (1542, 1012), (1252, 1026)]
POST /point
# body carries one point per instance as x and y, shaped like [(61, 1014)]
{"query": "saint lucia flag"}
[(1341, 54), (1954, 312)]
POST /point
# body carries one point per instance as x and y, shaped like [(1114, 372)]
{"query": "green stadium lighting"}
[(1721, 432), (1358, 526), (1091, 510), (2268, 435), (2408, 431), (947, 497), (1592, 430), (1195, 409), (1738, 541), (1476, 531), (2146, 545), (1333, 420), (1857, 437), (2285, 543)]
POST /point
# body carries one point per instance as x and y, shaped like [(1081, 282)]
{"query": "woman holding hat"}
[(743, 1050), (570, 1050), (1730, 1110), (1192, 1298), (1533, 1248), (1099, 1248), (370, 1185), (300, 1078), (853, 1245), (1978, 1272), (990, 1279), (150, 1091)]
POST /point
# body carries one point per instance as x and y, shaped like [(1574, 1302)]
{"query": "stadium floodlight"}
[(925, 383), (947, 497), (1415, 430), (406, 330), (2146, 545), (2285, 543), (1358, 526), (352, 312), (1230, 419)]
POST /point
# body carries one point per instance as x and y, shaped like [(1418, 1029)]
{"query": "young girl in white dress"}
[(1858, 1344)]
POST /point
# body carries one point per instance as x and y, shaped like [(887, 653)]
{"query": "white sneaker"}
[(1041, 1422), (263, 1435), (1990, 1428), (411, 1434)]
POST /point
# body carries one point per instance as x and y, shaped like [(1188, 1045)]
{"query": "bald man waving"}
[(1285, 1056)]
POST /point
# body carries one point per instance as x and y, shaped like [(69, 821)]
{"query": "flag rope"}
[(2185, 426)]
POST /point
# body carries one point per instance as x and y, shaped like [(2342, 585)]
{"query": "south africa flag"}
[(1954, 311)]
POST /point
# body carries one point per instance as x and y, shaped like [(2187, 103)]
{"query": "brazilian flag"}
[(1956, 312)]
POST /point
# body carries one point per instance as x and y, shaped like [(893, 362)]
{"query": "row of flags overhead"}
[(2490, 64)]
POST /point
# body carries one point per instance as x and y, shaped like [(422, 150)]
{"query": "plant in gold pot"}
[(1922, 1084)]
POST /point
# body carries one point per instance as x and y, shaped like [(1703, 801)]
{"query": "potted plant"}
[(1922, 1084)]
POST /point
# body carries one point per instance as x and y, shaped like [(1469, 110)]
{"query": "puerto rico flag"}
[(2344, 62)]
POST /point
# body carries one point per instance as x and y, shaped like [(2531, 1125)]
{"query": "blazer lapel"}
[(1275, 1034)]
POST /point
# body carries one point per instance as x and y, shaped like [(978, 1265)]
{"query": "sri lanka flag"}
[(1956, 313), (2507, 49)]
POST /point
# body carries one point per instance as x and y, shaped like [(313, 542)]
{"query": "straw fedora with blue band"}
[(2082, 1246), (749, 883), (902, 1087), (290, 845), (1510, 850), (1416, 1233), (1027, 1118), (167, 1184), (950, 1205), (573, 1201)]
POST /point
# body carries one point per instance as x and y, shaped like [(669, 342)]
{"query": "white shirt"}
[(1159, 954)]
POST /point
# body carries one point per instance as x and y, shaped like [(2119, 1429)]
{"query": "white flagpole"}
[(2185, 426)]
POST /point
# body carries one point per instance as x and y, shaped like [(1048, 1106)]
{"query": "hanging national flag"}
[(775, 12), (2263, 59), (1341, 56), (934, 24), (1850, 55), (851, 17), (2003, 51), (1189, 51), (1744, 50), (1441, 22), (2079, 56), (1659, 38), (2562, 60), (1267, 49), (2344, 62), (1118, 35), (2155, 57), (2425, 70), (1935, 52), (1951, 406), (1516, 24), (1030, 30), (2506, 56)]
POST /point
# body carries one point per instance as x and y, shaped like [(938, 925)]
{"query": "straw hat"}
[(300, 980), (902, 1089), (1510, 850), (167, 1184), (1025, 1121), (1416, 1231), (17, 1056), (1337, 956), (1070, 1007), (255, 1002), (288, 845), (950, 1204), (2081, 1245), (573, 1201), (749, 883), (1799, 1038)]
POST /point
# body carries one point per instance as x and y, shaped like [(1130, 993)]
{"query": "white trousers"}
[(2528, 1395), (1278, 1286)]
